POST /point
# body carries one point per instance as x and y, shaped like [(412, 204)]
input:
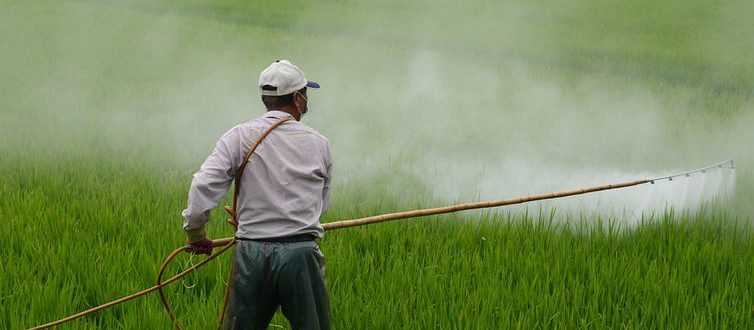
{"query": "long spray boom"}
[(227, 242)]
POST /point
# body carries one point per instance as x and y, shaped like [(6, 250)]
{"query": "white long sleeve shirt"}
[(285, 188)]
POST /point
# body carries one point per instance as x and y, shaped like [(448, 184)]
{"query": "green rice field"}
[(107, 108)]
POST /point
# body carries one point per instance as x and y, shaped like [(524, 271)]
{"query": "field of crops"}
[(107, 107)]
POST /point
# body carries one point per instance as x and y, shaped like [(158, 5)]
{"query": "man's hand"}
[(201, 247), (198, 241)]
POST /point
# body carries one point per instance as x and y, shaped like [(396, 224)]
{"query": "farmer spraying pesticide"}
[(281, 169), (279, 201)]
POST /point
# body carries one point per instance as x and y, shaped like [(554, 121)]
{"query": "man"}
[(285, 190)]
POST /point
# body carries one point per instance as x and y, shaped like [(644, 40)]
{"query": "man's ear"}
[(295, 98)]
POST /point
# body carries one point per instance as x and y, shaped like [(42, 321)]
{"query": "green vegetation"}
[(105, 106)]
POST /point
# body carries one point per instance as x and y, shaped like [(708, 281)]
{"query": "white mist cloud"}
[(468, 132)]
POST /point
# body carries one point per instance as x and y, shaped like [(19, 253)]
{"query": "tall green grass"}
[(78, 236), (524, 273)]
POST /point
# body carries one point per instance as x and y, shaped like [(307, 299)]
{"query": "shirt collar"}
[(277, 114)]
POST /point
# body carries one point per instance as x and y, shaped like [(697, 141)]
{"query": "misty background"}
[(434, 102)]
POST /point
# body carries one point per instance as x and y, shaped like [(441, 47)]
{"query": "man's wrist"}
[(196, 235)]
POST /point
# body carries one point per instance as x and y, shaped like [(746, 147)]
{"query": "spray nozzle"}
[(689, 173)]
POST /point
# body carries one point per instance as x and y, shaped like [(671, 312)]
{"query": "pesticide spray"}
[(687, 192)]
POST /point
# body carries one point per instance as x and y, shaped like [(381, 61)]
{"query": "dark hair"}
[(278, 101)]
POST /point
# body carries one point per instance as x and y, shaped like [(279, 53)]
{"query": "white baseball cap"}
[(283, 78)]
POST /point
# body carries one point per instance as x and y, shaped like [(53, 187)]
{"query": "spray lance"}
[(224, 244)]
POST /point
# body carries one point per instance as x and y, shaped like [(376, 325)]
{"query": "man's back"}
[(286, 184)]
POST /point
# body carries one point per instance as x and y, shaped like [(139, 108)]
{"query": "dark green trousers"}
[(267, 275)]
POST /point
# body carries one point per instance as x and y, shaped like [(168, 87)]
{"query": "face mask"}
[(302, 112)]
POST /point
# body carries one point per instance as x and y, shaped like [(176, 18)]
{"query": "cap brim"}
[(312, 84)]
